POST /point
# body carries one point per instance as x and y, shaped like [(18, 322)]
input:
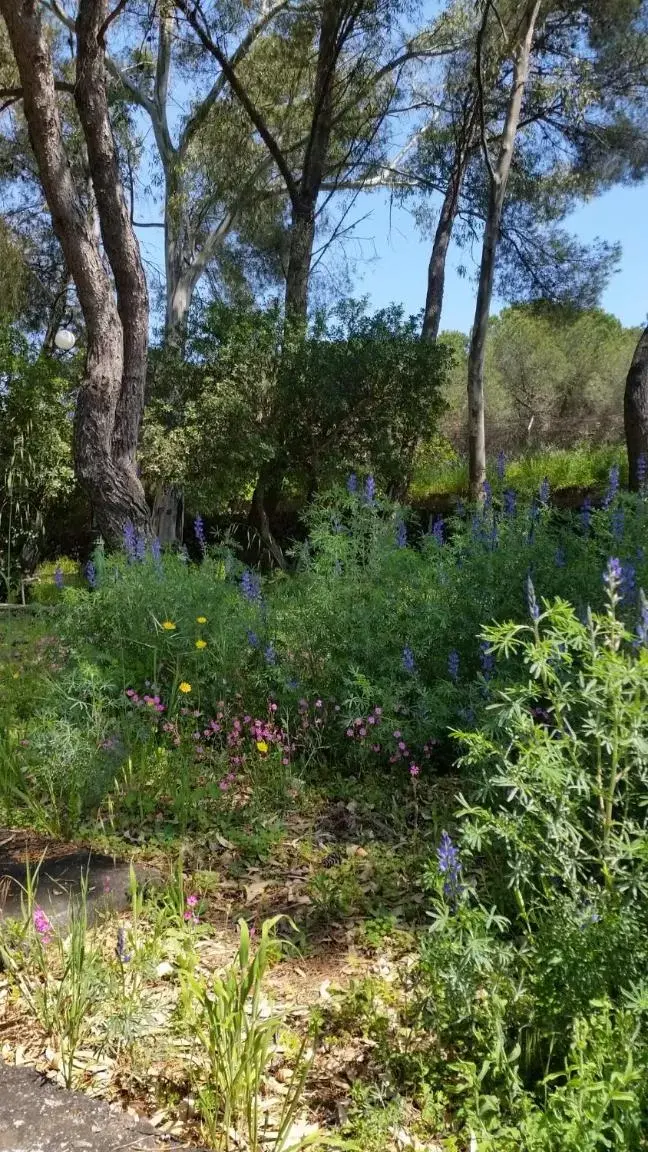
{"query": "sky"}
[(394, 256), (390, 257)]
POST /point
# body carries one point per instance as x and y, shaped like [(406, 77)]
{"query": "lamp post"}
[(65, 340)]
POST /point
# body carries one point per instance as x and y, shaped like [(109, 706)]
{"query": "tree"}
[(522, 34), (115, 311), (345, 82), (635, 414)]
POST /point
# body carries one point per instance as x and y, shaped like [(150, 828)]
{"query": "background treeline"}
[(362, 392)]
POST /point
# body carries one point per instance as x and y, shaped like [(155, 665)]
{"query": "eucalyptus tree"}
[(211, 172), (107, 270), (343, 62), (555, 109)]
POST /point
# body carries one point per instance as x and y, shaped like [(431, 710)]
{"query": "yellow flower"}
[(201, 643), (262, 746), (184, 687), (168, 625), (201, 619)]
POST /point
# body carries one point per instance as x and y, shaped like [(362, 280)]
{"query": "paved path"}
[(62, 870), (36, 1116)]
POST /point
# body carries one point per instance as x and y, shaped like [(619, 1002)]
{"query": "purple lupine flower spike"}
[(199, 532), (613, 486), (449, 866)]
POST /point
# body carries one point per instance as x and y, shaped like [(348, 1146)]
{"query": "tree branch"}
[(479, 72), (201, 113), (239, 91), (101, 34)]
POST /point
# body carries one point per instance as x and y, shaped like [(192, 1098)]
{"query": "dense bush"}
[(359, 388)]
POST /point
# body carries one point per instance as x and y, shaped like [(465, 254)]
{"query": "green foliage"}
[(236, 1035), (35, 445), (359, 390)]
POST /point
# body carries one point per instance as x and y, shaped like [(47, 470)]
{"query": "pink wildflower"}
[(42, 925)]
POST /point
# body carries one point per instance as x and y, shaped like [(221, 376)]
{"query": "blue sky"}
[(396, 255), (391, 256)]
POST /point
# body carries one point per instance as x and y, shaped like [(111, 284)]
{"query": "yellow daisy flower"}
[(201, 643), (168, 625), (201, 619), (184, 687), (262, 746)]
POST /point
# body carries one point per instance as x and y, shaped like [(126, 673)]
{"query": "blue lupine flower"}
[(140, 547), (613, 486), (59, 579), (251, 586), (510, 502), (613, 574), (449, 866), (453, 665), (488, 494), (156, 550), (534, 610), (544, 491), (642, 623), (586, 514), (130, 540), (122, 955), (409, 663), (401, 534), (460, 509), (617, 522), (628, 583), (438, 530), (642, 470), (501, 465), (199, 532), (560, 558), (270, 655), (91, 574), (252, 638), (352, 484), (486, 659), (370, 490)]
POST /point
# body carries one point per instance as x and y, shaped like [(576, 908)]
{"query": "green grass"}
[(582, 466)]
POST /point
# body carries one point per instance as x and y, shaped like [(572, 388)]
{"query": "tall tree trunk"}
[(635, 412), (110, 402), (443, 235), (302, 238), (498, 181), (123, 254)]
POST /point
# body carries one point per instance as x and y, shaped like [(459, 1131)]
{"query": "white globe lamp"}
[(65, 340)]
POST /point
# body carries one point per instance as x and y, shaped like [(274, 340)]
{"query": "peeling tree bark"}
[(110, 403), (635, 412)]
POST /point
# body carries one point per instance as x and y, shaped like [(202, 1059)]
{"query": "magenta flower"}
[(414, 770), (42, 925)]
